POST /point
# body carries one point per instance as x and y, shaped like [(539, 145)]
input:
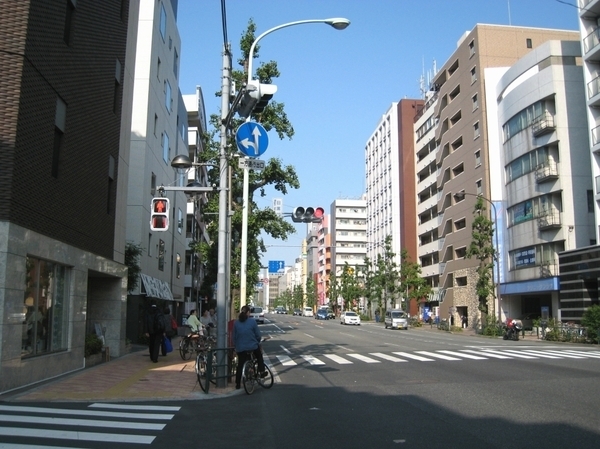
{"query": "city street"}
[(355, 386)]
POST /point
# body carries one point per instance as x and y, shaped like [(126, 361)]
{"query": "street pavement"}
[(133, 377)]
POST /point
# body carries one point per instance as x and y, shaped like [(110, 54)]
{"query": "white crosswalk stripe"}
[(55, 424), (484, 353)]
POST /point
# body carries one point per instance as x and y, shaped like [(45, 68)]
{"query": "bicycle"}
[(251, 376), (194, 343), (202, 367)]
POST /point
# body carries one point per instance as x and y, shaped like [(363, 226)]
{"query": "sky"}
[(336, 85)]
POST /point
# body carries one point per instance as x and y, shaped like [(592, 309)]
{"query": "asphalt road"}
[(367, 387)]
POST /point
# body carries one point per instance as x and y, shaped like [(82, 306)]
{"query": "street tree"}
[(482, 248), (333, 290), (370, 286), (387, 277), (412, 285), (311, 293), (350, 287), (276, 176)]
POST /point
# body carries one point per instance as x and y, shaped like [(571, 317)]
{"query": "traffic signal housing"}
[(308, 214), (255, 98), (159, 215)]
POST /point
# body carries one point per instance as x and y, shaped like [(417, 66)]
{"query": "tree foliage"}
[(132, 260), (350, 286), (276, 175), (482, 248), (412, 285)]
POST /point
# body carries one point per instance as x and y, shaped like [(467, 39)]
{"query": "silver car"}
[(396, 319)]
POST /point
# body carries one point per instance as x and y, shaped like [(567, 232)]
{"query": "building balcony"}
[(549, 220), (548, 268), (543, 124), (593, 90), (591, 49), (546, 171)]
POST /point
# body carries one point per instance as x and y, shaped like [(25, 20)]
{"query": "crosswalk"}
[(23, 426), (437, 355)]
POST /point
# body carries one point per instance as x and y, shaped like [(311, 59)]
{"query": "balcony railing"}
[(591, 40), (549, 219), (548, 268), (593, 87), (596, 136), (543, 124), (546, 171)]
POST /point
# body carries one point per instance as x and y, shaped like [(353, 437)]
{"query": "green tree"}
[(591, 320), (412, 285), (311, 293), (275, 175), (370, 285), (333, 290), (350, 288), (481, 248), (387, 277), (133, 252)]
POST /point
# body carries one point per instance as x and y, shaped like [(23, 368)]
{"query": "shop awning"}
[(155, 288)]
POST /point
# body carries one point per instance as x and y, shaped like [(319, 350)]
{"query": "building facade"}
[(63, 183)]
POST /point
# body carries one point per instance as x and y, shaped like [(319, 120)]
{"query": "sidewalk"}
[(131, 377)]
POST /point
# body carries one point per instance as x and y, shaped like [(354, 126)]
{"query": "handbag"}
[(168, 344)]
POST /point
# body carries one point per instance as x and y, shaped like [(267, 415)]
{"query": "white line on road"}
[(338, 359), (413, 356), (460, 354), (161, 408), (518, 354), (285, 349), (436, 355), (73, 435), (487, 354), (59, 411), (391, 358), (364, 358), (309, 335), (343, 347), (285, 360), (80, 422), (312, 360)]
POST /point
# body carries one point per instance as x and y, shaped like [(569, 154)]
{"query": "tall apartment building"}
[(467, 157), (390, 183), (63, 145), (348, 233), (158, 134), (323, 260), (546, 177)]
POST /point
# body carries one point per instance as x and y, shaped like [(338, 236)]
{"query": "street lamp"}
[(460, 195), (337, 23)]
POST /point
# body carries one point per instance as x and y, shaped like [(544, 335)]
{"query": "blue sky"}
[(336, 85)]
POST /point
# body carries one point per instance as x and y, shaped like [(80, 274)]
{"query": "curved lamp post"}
[(461, 195), (338, 24)]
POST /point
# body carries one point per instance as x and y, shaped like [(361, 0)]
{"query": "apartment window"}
[(69, 19), (461, 281), (168, 96), (461, 252), (471, 48), (476, 132), (153, 184), (117, 88), (60, 120), (163, 22), (478, 187), (460, 224), (150, 245), (161, 255), (178, 266), (179, 221), (529, 43), (473, 75), (458, 170), (590, 201), (158, 62), (165, 146), (475, 102), (477, 158), (175, 62), (155, 124), (46, 306)]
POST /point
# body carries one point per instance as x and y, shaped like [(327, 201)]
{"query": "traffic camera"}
[(159, 216), (308, 214), (255, 98)]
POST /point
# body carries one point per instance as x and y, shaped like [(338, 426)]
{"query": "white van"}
[(307, 311), (396, 319)]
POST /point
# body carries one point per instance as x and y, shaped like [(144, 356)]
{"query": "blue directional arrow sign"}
[(276, 266), (252, 139)]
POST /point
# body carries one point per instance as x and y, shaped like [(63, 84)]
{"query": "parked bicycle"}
[(202, 367), (193, 343), (251, 376)]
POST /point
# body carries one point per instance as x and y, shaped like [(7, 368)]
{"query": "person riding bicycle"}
[(193, 321), (246, 338)]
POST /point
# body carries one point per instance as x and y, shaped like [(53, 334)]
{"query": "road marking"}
[(285, 360), (285, 349), (518, 354), (312, 360), (487, 353), (80, 422), (60, 411), (391, 358), (343, 347), (158, 408), (460, 354), (338, 359), (413, 356), (364, 358), (563, 354), (438, 356), (309, 335), (541, 354), (586, 353), (73, 435)]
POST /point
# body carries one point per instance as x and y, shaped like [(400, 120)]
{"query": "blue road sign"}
[(276, 266), (252, 139)]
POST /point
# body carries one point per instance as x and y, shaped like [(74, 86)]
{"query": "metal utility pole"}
[(223, 212)]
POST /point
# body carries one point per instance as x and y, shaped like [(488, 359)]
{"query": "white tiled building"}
[(348, 224)]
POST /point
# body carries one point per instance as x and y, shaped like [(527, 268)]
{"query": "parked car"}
[(349, 317), (330, 314), (396, 319), (258, 314), (321, 314), (308, 311), (297, 312), (281, 310), (527, 320)]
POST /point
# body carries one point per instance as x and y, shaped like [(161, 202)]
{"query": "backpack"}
[(159, 324)]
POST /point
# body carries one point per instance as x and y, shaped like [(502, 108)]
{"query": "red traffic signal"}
[(159, 214), (308, 214)]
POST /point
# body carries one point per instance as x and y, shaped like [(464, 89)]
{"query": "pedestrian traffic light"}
[(255, 98), (308, 214), (159, 216)]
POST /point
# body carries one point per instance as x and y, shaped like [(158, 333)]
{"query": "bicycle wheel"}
[(201, 371), (267, 381), (249, 377), (184, 349)]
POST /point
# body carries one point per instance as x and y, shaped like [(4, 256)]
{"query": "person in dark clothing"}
[(246, 338), (169, 331), (154, 335)]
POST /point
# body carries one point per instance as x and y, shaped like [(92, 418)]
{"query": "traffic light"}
[(255, 98), (308, 214), (159, 216)]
